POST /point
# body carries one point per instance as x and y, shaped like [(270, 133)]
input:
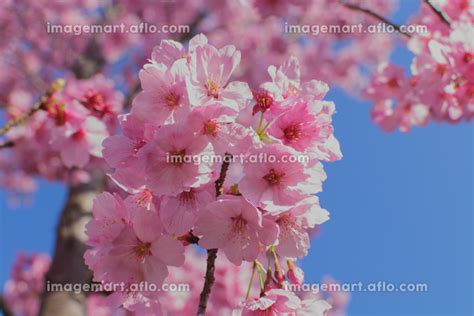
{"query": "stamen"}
[(274, 177)]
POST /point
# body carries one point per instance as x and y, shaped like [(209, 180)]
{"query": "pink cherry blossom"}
[(171, 167), (140, 253), (179, 213), (110, 217), (275, 183), (235, 226), (211, 69), (217, 124), (164, 94), (274, 302), (23, 290)]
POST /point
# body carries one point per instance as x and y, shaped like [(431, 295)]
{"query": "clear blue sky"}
[(401, 211)]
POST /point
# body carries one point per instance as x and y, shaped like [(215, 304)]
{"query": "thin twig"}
[(212, 253), (374, 15), (4, 308), (22, 118), (209, 281), (439, 13), (7, 144), (43, 101)]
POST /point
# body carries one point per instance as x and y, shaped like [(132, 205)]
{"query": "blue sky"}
[(401, 211)]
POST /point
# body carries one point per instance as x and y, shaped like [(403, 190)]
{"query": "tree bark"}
[(68, 265)]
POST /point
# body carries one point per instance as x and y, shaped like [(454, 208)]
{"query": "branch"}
[(56, 86), (212, 253), (439, 13), (4, 308), (7, 144), (68, 264), (374, 15), (89, 62)]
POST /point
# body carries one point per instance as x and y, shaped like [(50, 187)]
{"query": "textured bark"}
[(68, 264), (4, 308)]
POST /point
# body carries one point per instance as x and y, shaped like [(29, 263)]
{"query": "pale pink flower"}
[(172, 155), (23, 290), (217, 124), (286, 82), (179, 213), (236, 227), (306, 127), (274, 302), (211, 69), (138, 253), (123, 152), (78, 144), (99, 96), (314, 307), (293, 238), (278, 180), (295, 274), (170, 51), (164, 94), (110, 216)]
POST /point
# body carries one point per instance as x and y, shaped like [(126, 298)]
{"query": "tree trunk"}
[(68, 265)]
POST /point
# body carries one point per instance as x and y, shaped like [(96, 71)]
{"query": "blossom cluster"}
[(25, 287), (32, 57), (440, 86), (26, 284), (189, 106), (63, 139)]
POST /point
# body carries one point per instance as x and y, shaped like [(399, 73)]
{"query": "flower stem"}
[(374, 15), (55, 87), (254, 267), (212, 253), (438, 12)]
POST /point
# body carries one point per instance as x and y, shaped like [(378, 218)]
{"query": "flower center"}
[(264, 101), (238, 224), (138, 145), (210, 128), (467, 58), (292, 91), (79, 135), (187, 198), (142, 249), (441, 69), (57, 113), (292, 133), (273, 177), (94, 101), (173, 100), (144, 198), (212, 89), (285, 221), (177, 157), (393, 83)]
